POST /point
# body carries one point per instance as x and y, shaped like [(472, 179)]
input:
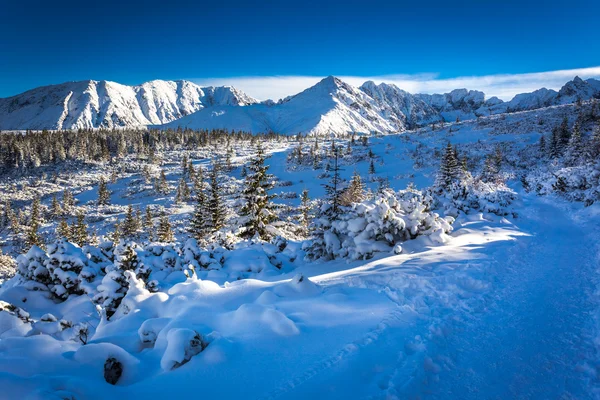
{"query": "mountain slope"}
[(330, 106), (96, 104)]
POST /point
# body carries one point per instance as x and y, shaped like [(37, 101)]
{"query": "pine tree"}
[(564, 134), (449, 170), (162, 185), (33, 237), (63, 231), (149, 224), (371, 168), (191, 171), (334, 189), (200, 217), (243, 172), (68, 202), (115, 236), (258, 208), (554, 150), (164, 231), (355, 192), (183, 192), (55, 210), (490, 169), (305, 209), (216, 207), (79, 234), (576, 150), (130, 225), (542, 145), (103, 193)]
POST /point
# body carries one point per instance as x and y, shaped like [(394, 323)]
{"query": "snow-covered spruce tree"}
[(130, 225), (115, 284), (103, 193), (33, 237), (162, 186), (79, 234), (216, 206), (149, 224), (258, 208), (68, 201), (305, 210), (576, 150), (490, 171), (63, 230), (55, 209), (164, 231), (200, 216), (115, 235), (355, 192), (183, 192), (69, 270), (564, 134), (378, 225), (333, 189), (449, 171)]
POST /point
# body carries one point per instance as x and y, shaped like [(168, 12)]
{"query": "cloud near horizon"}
[(504, 86)]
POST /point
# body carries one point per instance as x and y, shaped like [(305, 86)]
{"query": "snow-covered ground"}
[(503, 307)]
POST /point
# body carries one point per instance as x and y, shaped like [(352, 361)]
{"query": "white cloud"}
[(504, 86)]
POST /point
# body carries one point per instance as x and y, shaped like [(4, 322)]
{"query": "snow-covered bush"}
[(200, 259), (31, 266), (377, 226), (476, 195), (69, 270), (182, 345)]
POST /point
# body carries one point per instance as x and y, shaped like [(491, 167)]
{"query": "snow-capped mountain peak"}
[(95, 104)]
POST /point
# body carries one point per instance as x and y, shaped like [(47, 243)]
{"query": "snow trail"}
[(499, 320), (534, 338)]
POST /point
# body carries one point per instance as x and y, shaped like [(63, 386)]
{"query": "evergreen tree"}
[(79, 234), (164, 231), (68, 201), (564, 134), (258, 208), (372, 168), (216, 207), (33, 237), (183, 192), (554, 150), (334, 189), (115, 236), (103, 193), (55, 210), (305, 209), (162, 185), (243, 172), (63, 231), (355, 192), (449, 170), (490, 169), (200, 217), (130, 224), (191, 171), (149, 224), (542, 144), (576, 150)]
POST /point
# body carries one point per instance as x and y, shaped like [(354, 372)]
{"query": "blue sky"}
[(43, 42)]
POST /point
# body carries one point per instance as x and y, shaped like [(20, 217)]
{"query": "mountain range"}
[(330, 106)]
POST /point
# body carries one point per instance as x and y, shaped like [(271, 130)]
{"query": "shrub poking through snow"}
[(113, 370), (376, 226), (68, 268), (182, 345)]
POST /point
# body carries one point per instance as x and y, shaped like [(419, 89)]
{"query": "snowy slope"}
[(95, 104), (331, 106)]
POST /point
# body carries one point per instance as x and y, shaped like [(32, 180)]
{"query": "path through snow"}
[(508, 320)]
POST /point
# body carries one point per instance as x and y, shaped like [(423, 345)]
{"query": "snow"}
[(95, 104), (499, 302)]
